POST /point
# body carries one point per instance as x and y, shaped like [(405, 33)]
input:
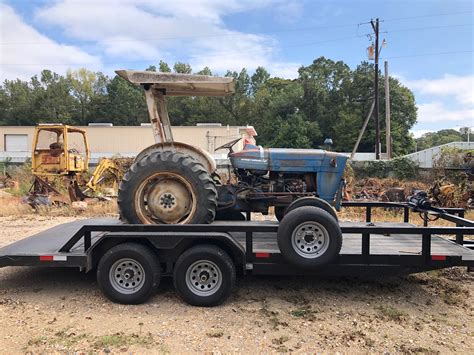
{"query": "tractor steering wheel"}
[(229, 145)]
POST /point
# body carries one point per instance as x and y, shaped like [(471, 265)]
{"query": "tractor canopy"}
[(175, 84)]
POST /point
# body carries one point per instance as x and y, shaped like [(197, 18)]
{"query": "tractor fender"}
[(199, 154)]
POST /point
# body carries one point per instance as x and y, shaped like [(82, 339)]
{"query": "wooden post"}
[(362, 130), (388, 134)]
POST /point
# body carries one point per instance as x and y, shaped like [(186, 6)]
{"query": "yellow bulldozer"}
[(61, 154)]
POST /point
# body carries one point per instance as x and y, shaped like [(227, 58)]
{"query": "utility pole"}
[(388, 135), (375, 27)]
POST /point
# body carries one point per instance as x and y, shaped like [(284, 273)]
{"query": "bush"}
[(399, 168)]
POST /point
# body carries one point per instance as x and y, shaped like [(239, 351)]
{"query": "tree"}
[(327, 100), (52, 99), (82, 87), (164, 67), (17, 102), (432, 139), (124, 104), (182, 68), (259, 78)]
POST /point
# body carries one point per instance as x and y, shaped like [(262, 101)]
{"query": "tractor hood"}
[(287, 160), (328, 166)]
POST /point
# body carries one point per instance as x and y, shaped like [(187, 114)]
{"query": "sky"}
[(429, 43)]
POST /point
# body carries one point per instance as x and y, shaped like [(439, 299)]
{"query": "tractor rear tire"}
[(309, 237), (167, 188)]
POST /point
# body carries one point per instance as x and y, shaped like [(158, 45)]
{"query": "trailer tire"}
[(280, 212), (309, 237), (312, 201), (204, 276), (129, 273)]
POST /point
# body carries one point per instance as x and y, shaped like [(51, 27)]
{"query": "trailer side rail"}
[(425, 258)]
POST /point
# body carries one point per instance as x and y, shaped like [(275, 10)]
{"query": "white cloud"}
[(24, 60), (284, 70), (436, 112), (445, 102), (180, 30), (459, 87), (417, 133), (289, 12)]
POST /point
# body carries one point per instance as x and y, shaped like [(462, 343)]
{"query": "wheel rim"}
[(203, 278), (165, 198), (127, 276), (310, 240)]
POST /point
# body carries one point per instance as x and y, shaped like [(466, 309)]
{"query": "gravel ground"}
[(61, 310)]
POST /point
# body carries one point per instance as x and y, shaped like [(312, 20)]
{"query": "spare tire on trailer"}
[(309, 237), (167, 188)]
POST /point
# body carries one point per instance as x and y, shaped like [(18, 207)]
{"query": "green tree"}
[(82, 88), (164, 67), (182, 68), (432, 139), (52, 99), (17, 103), (124, 104)]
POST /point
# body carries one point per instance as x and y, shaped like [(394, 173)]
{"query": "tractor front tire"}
[(309, 237), (311, 201), (167, 188)]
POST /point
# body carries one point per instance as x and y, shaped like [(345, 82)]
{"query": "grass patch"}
[(392, 313), (121, 339), (304, 312), (70, 340)]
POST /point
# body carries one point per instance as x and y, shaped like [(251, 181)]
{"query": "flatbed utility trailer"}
[(204, 259)]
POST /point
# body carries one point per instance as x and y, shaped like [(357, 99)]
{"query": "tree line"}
[(328, 99)]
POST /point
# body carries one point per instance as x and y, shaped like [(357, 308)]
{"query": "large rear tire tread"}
[(163, 161)]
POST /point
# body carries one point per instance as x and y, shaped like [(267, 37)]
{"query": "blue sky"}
[(429, 43)]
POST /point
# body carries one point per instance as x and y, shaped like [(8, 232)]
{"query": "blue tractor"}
[(174, 182)]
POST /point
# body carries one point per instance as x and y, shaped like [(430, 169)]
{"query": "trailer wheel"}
[(280, 212), (204, 276), (309, 236), (312, 201), (128, 273)]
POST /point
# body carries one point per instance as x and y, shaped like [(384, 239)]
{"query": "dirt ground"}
[(62, 310)]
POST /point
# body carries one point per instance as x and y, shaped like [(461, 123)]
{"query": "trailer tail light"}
[(438, 257), (53, 258), (262, 255)]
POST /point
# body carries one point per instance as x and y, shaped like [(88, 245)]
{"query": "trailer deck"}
[(376, 244)]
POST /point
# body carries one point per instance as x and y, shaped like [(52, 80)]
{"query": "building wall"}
[(425, 158), (130, 140)]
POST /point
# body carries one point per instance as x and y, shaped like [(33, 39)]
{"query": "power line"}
[(302, 29), (214, 54), (154, 59), (426, 54), (429, 28), (184, 37), (430, 15)]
